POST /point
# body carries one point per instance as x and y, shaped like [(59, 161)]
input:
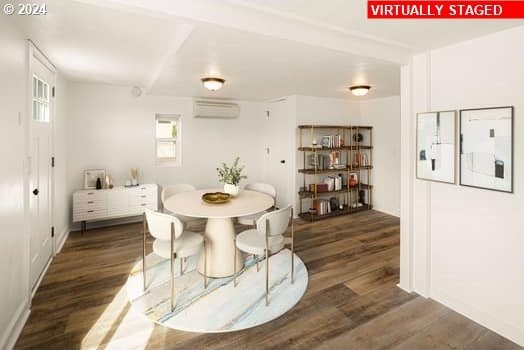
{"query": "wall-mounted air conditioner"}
[(215, 109)]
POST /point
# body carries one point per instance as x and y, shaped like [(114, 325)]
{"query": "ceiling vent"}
[(216, 109)]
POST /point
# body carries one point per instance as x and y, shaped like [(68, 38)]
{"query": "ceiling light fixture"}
[(213, 84), (360, 90)]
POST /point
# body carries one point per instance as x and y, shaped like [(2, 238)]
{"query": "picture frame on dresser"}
[(486, 148), (90, 177)]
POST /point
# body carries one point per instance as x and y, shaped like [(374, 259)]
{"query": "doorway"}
[(40, 152), (280, 142)]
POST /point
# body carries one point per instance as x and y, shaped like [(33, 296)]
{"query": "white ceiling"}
[(265, 49), (350, 16), (261, 67)]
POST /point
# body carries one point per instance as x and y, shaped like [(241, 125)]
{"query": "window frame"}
[(43, 102), (169, 162)]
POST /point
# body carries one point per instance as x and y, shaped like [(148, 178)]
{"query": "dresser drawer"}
[(87, 196), (88, 214), (91, 204), (144, 189), (141, 198), (139, 209)]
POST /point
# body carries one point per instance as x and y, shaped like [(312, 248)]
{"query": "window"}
[(40, 100), (168, 128)]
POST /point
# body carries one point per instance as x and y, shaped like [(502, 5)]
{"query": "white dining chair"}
[(261, 187), (267, 239), (171, 190), (171, 241)]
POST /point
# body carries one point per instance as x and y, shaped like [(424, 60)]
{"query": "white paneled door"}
[(281, 135), (40, 171)]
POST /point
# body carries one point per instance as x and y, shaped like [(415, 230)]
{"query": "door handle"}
[(283, 161), (36, 191)]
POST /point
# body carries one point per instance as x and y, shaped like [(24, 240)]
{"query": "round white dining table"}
[(220, 231)]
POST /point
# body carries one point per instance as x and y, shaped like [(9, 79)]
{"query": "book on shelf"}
[(321, 206), (320, 187), (332, 141), (321, 161)]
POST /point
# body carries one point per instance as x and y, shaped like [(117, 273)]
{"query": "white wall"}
[(110, 129), (473, 237), (324, 110), (14, 249), (383, 114)]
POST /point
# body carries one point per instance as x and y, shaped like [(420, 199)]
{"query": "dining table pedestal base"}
[(220, 248)]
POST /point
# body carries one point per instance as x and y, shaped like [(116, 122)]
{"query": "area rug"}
[(221, 307)]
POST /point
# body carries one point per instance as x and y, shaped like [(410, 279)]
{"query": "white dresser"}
[(118, 202)]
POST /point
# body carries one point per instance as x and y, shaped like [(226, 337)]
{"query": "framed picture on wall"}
[(90, 177), (435, 157), (486, 148)]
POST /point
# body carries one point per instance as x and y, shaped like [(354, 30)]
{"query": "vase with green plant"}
[(231, 177)]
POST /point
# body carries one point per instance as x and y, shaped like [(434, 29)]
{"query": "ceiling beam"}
[(243, 16)]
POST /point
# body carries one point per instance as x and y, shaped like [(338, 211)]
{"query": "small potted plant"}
[(231, 177)]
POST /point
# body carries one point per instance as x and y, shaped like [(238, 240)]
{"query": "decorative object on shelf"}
[(362, 196), (212, 83), (356, 159), (334, 159), (134, 176), (364, 160), (486, 148), (109, 182), (360, 90), (353, 179), (216, 197), (91, 176), (435, 152), (128, 183), (98, 183), (358, 137), (231, 177), (334, 203)]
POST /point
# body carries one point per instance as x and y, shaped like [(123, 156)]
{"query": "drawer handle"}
[(143, 196), (90, 211), (143, 188), (90, 193), (143, 204), (90, 202)]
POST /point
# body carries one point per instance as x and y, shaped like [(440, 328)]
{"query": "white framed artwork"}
[(436, 134), (486, 148), (90, 177)]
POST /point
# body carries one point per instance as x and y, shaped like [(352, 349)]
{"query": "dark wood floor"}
[(352, 300)]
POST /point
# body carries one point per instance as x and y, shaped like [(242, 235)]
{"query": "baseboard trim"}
[(484, 318), (405, 288), (386, 212), (15, 327), (41, 277), (63, 239)]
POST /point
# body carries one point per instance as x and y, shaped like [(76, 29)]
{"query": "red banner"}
[(392, 9)]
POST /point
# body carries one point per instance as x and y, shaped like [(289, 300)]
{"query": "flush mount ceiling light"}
[(213, 84), (359, 90)]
